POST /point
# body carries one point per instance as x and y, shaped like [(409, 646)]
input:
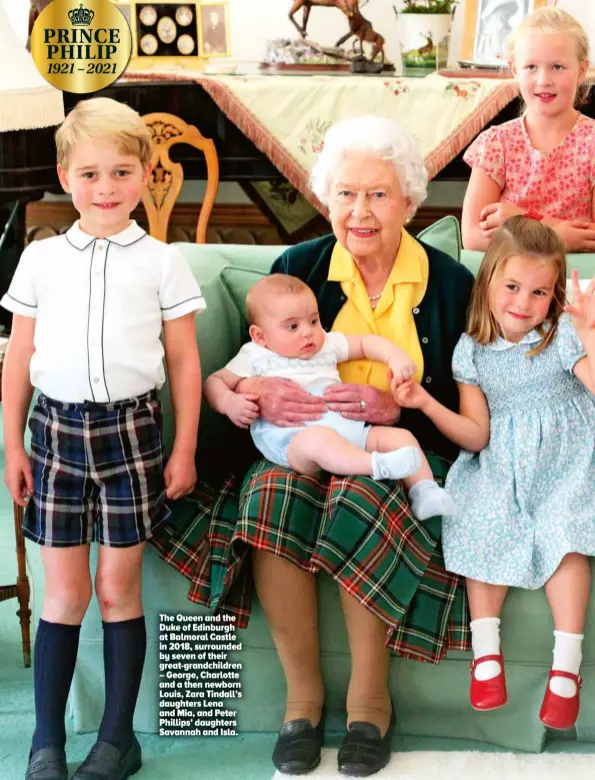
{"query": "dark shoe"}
[(47, 764), (297, 750), (363, 751), (106, 762)]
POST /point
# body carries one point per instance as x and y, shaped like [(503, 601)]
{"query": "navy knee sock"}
[(54, 659), (124, 647)]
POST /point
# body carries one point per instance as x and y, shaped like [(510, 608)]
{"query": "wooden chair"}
[(20, 590), (163, 188)]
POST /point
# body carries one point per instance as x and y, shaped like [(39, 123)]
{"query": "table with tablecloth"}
[(286, 116)]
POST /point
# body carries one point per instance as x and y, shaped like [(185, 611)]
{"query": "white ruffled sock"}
[(397, 464), (428, 499), (567, 658), (485, 640)]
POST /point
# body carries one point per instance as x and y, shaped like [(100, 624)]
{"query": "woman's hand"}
[(409, 394), (582, 309), (577, 236), (285, 403), (362, 402), (493, 216)]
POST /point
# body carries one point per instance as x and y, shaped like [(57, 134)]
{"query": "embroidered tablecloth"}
[(286, 116)]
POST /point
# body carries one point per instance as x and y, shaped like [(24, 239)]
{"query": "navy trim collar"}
[(81, 240)]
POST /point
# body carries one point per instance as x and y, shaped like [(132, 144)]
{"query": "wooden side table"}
[(20, 590)]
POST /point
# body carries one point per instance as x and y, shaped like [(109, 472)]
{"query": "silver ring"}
[(362, 406)]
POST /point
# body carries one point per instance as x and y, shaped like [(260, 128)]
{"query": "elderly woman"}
[(369, 276)]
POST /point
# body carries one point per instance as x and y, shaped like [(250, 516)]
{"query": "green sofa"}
[(431, 701)]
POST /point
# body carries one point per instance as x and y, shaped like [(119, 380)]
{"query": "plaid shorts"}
[(97, 472)]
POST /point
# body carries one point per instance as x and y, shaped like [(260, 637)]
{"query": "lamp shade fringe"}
[(32, 108)]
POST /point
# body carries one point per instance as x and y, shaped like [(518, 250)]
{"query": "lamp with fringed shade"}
[(30, 109)]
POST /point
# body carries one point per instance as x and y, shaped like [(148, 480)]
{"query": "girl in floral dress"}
[(523, 483), (542, 164)]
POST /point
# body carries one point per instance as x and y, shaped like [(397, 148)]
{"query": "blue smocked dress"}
[(528, 498)]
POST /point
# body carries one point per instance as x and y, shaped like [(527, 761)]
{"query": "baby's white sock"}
[(427, 499), (567, 658), (397, 464), (485, 640)]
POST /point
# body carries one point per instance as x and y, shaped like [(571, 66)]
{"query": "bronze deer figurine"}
[(362, 29)]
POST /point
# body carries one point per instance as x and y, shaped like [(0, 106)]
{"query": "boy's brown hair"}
[(108, 119), (271, 286), (535, 241)]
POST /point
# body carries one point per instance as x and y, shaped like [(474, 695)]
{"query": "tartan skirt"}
[(359, 531)]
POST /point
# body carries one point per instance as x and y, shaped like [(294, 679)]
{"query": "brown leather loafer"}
[(106, 762), (47, 764)]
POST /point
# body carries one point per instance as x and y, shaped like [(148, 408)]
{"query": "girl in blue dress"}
[(523, 484)]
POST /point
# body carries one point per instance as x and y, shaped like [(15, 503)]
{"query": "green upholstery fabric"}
[(430, 700), (583, 263)]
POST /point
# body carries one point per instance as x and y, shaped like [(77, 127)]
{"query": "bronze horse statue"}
[(349, 7)]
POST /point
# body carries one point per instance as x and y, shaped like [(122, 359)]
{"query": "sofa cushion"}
[(444, 235), (583, 263), (237, 282), (219, 332)]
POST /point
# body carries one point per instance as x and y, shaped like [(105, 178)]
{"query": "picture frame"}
[(214, 37), (486, 26), (164, 32)]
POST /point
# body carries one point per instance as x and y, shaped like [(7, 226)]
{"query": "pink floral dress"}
[(558, 183)]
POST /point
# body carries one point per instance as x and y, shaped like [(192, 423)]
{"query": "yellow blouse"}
[(393, 315)]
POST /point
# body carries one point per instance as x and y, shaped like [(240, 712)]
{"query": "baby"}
[(287, 341)]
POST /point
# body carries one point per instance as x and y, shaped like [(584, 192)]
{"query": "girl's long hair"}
[(555, 20), (530, 239)]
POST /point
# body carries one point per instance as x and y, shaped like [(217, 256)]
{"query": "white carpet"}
[(432, 765)]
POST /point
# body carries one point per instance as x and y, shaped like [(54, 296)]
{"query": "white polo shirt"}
[(99, 305)]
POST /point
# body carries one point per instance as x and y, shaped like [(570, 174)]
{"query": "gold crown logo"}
[(81, 17)]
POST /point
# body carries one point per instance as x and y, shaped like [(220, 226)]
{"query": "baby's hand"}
[(242, 409), (408, 394), (401, 368)]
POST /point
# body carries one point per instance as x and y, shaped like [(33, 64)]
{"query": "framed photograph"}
[(214, 30), (166, 31), (488, 23)]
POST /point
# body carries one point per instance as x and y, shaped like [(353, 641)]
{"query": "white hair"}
[(378, 136)]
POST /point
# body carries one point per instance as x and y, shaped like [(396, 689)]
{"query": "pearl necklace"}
[(374, 299)]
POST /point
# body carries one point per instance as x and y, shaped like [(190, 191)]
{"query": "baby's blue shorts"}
[(272, 440)]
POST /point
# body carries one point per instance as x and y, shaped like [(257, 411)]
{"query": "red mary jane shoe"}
[(488, 694), (560, 712)]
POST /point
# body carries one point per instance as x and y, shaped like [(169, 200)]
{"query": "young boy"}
[(287, 340), (89, 307)]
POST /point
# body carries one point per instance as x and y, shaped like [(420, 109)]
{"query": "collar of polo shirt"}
[(81, 240)]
